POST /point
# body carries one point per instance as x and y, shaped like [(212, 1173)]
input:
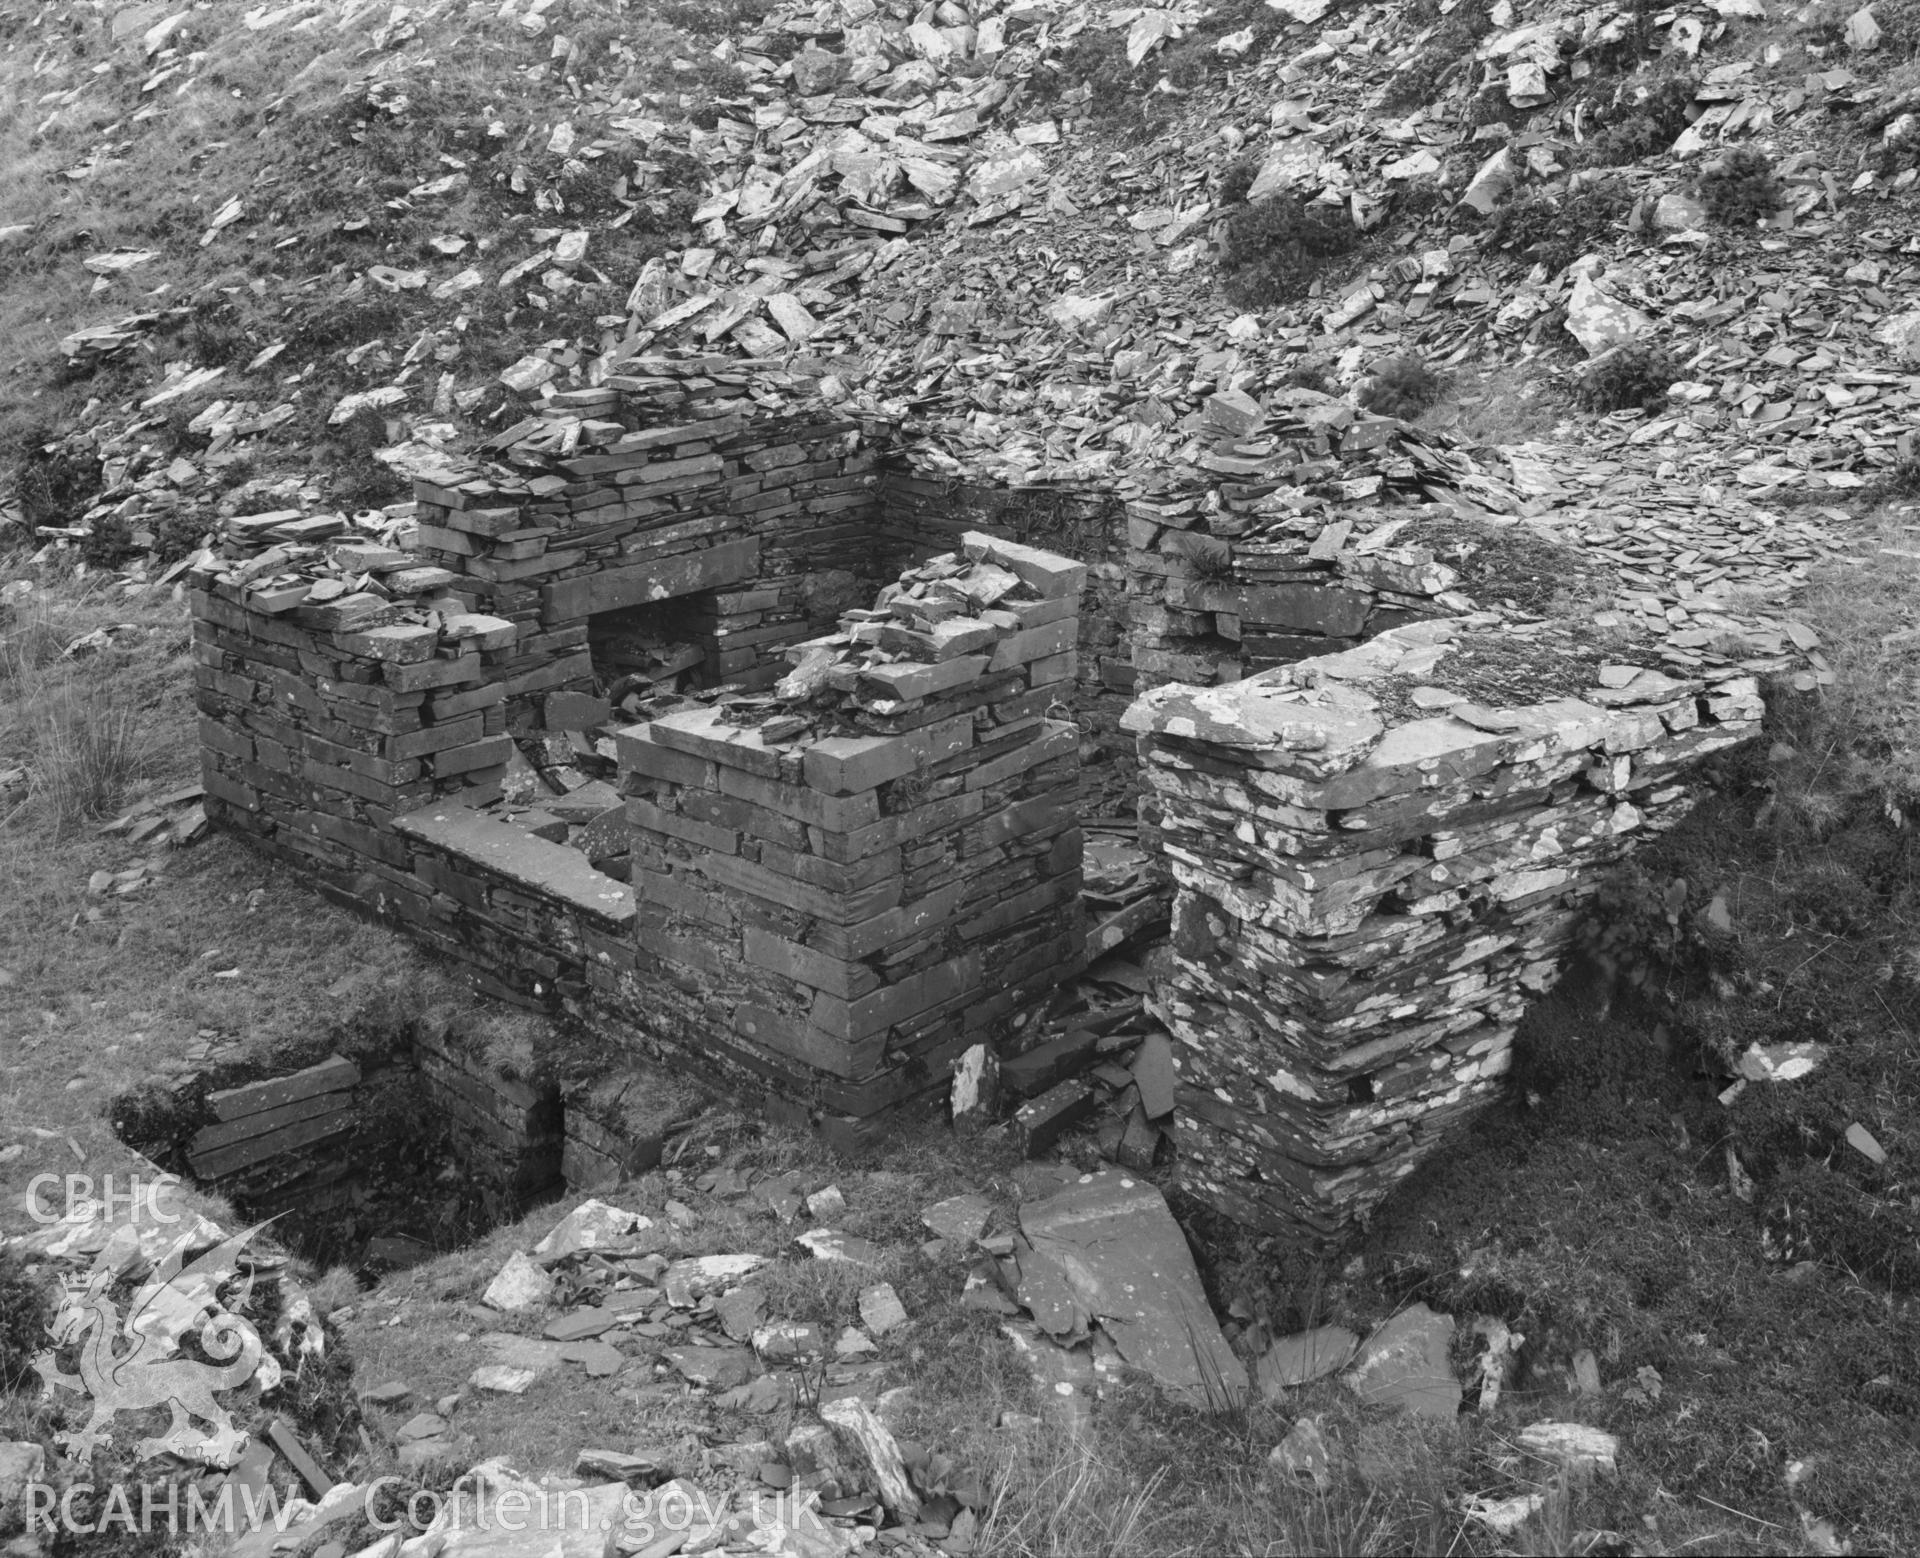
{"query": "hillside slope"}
[(249, 249)]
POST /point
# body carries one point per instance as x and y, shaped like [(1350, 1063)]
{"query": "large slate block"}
[(505, 850), (613, 588)]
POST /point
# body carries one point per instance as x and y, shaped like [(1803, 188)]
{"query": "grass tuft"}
[(26, 1304), (88, 754)]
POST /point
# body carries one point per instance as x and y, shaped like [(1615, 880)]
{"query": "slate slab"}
[(1128, 1265), (1404, 1363), (718, 1368), (960, 1218), (1302, 1358)]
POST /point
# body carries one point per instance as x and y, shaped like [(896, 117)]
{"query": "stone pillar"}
[(843, 886), (1366, 896)]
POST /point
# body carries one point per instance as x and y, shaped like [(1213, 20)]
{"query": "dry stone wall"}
[(1379, 856), (1272, 546), (657, 488), (309, 1140), (834, 905), (922, 510), (846, 879)]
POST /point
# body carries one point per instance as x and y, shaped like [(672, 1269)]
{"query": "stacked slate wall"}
[(301, 1143), (1221, 590), (1366, 898), (359, 752), (921, 512), (657, 491), (831, 919)]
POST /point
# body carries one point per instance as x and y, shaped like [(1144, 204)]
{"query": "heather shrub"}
[(1632, 130), (1444, 55), (1237, 180), (1740, 188), (1401, 386), (1556, 227), (1275, 248), (1635, 375)]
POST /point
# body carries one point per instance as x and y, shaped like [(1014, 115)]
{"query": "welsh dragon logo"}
[(132, 1364)]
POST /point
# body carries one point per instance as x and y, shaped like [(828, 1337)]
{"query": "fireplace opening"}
[(647, 657)]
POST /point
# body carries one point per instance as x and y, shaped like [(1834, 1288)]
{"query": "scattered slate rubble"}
[(619, 1304), (174, 818), (867, 198), (176, 1281), (1089, 1272)]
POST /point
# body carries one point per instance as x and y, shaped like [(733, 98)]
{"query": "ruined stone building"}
[(729, 717)]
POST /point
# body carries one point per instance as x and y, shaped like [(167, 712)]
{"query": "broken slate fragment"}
[(960, 1219), (740, 1312), (1303, 1454), (579, 1324), (686, 1281), (881, 1310), (502, 1380), (1779, 1062), (785, 1340), (521, 1352), (1038, 1124), (827, 1244), (869, 1445), (1305, 1357), (1599, 321), (599, 1358), (1863, 1142), (718, 1368), (1063, 1376), (976, 1079), (617, 1466), (518, 1286), (592, 1225), (1128, 1264), (1583, 1451), (984, 1293), (1155, 1074), (1404, 1363), (1047, 1292)]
